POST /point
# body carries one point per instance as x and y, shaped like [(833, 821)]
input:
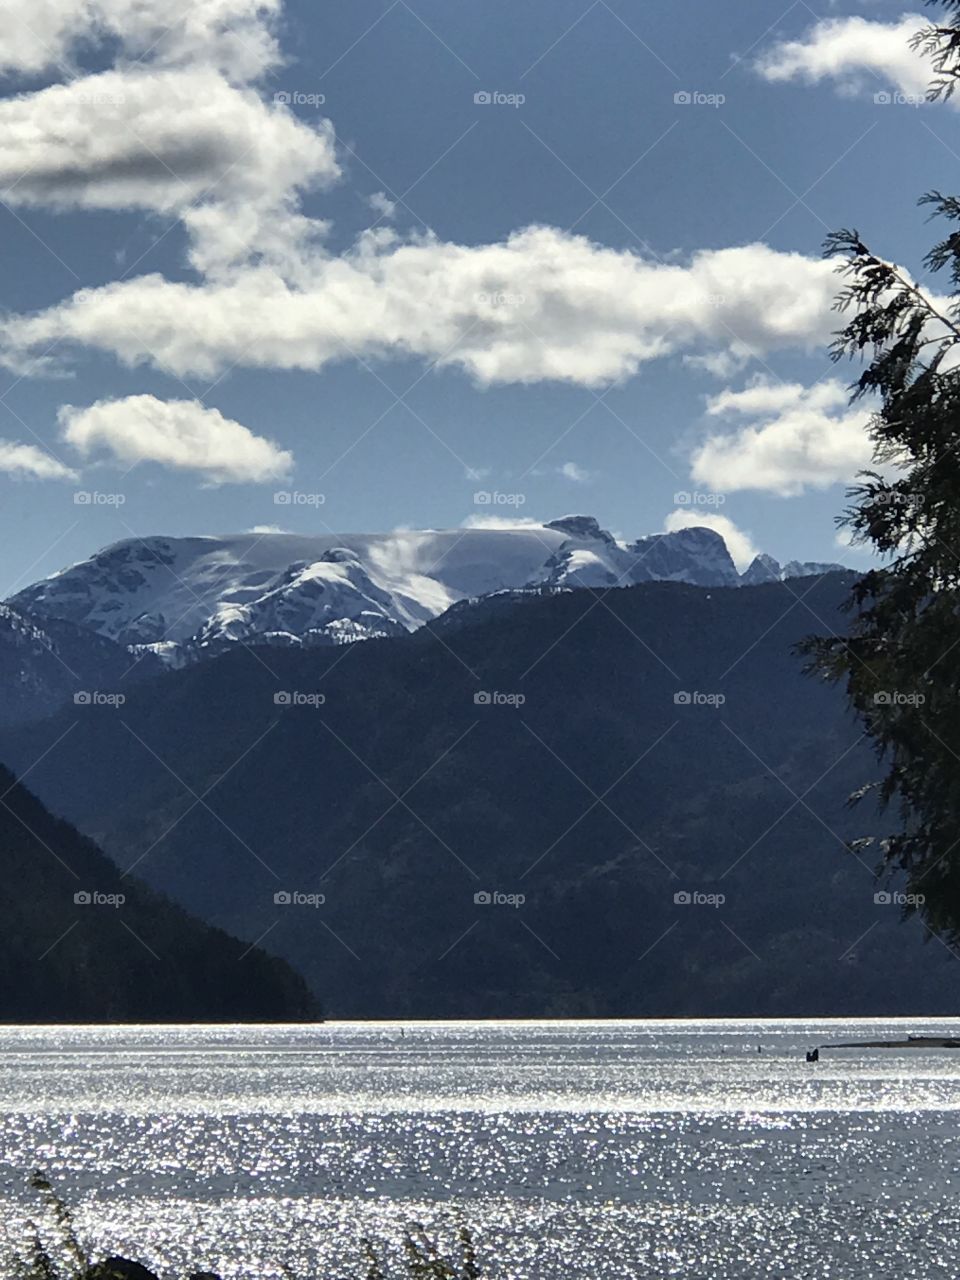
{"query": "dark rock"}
[(119, 1269)]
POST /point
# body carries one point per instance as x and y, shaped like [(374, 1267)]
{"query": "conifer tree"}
[(900, 660)]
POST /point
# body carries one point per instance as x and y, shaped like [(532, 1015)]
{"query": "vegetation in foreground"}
[(52, 1251), (899, 660)]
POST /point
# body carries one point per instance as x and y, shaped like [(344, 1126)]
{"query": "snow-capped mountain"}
[(764, 568), (185, 597)]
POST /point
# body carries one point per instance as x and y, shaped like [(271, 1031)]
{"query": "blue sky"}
[(308, 261)]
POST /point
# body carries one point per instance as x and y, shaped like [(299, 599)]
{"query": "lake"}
[(576, 1149)]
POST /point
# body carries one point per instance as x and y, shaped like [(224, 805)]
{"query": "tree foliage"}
[(901, 657), (941, 43)]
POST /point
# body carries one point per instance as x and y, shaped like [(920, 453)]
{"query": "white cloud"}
[(856, 53), (571, 471), (739, 544), (235, 35), (575, 311), (501, 522), (182, 434), (25, 461), (382, 205), (801, 438), (186, 133), (179, 142)]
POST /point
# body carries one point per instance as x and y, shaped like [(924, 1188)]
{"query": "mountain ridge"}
[(179, 599), (468, 758), (88, 944)]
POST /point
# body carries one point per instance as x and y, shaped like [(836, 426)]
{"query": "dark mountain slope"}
[(72, 951), (45, 663), (599, 798)]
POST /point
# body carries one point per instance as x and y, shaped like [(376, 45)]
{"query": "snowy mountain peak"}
[(764, 568), (183, 598), (810, 569), (696, 555), (583, 528)]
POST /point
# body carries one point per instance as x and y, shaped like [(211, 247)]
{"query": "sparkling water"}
[(575, 1149)]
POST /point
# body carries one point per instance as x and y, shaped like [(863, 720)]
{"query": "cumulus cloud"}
[(578, 312), (797, 438), (234, 35), (855, 53), (177, 127), (25, 461), (739, 544), (185, 131), (179, 142), (152, 140), (182, 434)]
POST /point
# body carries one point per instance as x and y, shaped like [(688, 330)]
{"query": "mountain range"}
[(545, 801), (178, 599)]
